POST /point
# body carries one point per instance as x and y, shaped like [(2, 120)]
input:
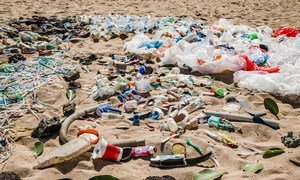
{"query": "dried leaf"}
[(253, 167), (207, 174), (271, 106), (123, 36), (38, 148), (104, 177)]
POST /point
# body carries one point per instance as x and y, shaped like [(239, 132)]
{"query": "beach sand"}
[(257, 12), (274, 13)]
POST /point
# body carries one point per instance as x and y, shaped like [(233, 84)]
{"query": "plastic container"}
[(105, 150), (143, 151), (130, 106), (172, 124), (142, 86)]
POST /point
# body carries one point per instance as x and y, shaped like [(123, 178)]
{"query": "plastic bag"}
[(251, 66), (287, 82), (136, 45), (288, 31)]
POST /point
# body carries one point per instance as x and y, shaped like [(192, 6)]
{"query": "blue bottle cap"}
[(142, 69)]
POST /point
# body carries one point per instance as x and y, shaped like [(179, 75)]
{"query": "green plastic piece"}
[(253, 36), (197, 148)]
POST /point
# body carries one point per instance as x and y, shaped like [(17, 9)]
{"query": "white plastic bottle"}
[(172, 124)]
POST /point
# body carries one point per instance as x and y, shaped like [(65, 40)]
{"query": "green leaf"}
[(220, 92), (230, 89), (207, 174), (168, 66), (253, 167), (271, 106), (113, 36), (272, 152), (38, 148), (104, 177), (71, 94)]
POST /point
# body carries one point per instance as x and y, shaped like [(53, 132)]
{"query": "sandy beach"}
[(274, 13)]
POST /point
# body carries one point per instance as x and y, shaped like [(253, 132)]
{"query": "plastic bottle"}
[(143, 151), (167, 157), (29, 36), (130, 106), (120, 86), (169, 77), (102, 92), (172, 124), (108, 116), (142, 86)]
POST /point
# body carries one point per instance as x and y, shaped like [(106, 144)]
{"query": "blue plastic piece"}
[(142, 69), (154, 115), (152, 44), (178, 39), (136, 119), (106, 107)]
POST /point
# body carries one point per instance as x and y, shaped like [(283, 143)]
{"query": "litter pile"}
[(20, 76), (214, 49), (137, 90)]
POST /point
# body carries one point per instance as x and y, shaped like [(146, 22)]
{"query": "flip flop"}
[(179, 161)]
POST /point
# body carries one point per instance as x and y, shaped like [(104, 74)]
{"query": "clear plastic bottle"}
[(172, 124), (108, 116)]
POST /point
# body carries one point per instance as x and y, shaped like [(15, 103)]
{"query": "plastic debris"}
[(221, 124), (47, 127), (290, 141)]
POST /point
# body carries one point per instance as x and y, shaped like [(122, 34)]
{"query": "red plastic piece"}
[(251, 66), (288, 31)]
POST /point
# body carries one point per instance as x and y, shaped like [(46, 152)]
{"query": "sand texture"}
[(273, 13)]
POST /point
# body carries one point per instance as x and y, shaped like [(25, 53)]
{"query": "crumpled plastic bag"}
[(251, 66), (204, 60), (135, 45), (288, 31), (287, 82)]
